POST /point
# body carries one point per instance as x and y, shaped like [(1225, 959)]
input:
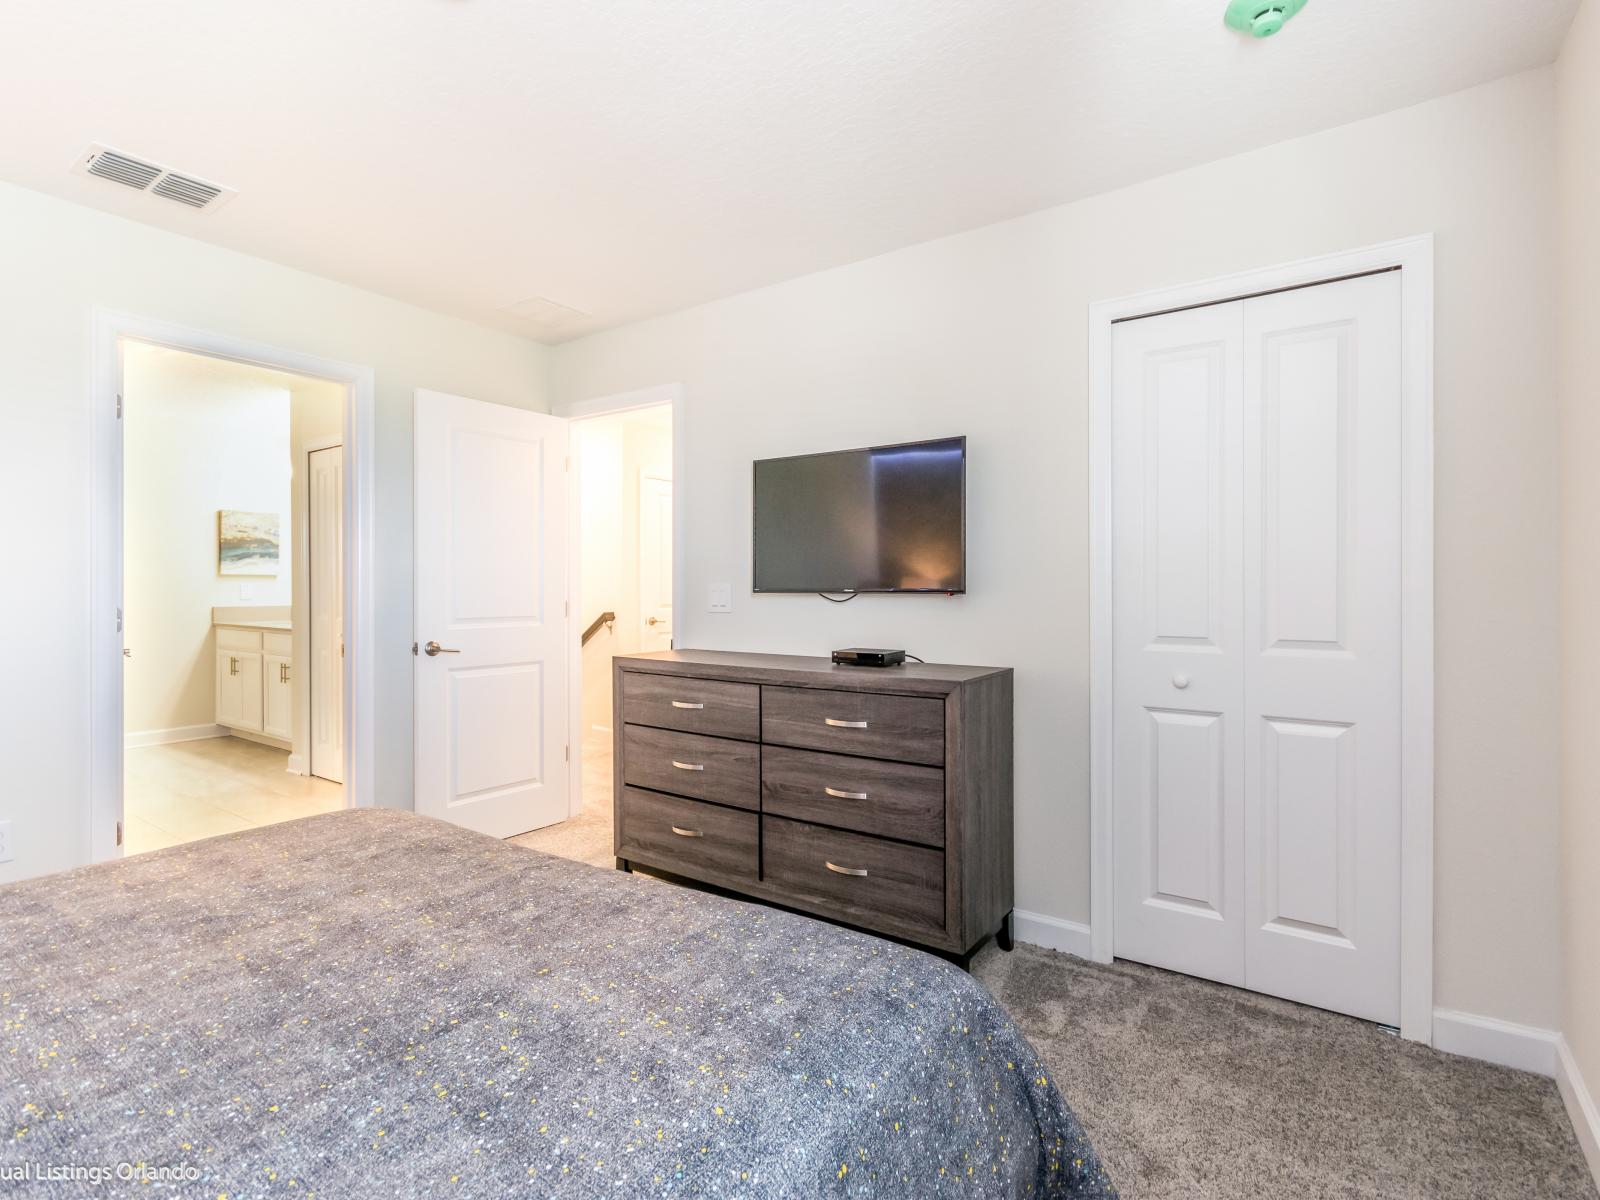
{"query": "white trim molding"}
[(1414, 257), (165, 737), (605, 406), (1504, 1043), (1053, 933), (1575, 1094), (110, 330)]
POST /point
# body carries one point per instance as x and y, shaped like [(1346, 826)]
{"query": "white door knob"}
[(1180, 682)]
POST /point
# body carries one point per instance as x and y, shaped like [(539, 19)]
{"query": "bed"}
[(370, 1003)]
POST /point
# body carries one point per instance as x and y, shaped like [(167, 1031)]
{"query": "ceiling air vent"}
[(193, 192), (105, 163), (119, 168)]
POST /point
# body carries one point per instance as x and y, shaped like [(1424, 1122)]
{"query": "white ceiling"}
[(631, 157)]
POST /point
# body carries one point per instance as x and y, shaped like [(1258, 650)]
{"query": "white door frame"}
[(603, 406), (1414, 257), (105, 539)]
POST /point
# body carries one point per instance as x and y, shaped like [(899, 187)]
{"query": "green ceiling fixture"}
[(1260, 18)]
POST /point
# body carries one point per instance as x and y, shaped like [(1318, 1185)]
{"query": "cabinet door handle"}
[(685, 704), (687, 832), (283, 672), (683, 766), (233, 666), (844, 724), (838, 795), (838, 870)]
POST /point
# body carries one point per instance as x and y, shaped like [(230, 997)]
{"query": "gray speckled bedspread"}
[(374, 1004)]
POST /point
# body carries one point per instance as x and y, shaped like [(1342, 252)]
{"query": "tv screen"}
[(883, 519)]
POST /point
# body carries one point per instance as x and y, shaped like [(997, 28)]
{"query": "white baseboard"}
[(601, 728), (1580, 1104), (162, 737), (1505, 1043), (1050, 932), (261, 739)]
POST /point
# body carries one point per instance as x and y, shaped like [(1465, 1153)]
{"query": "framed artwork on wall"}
[(247, 543)]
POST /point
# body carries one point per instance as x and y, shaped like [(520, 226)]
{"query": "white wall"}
[(199, 435), (984, 334), (1578, 175), (612, 452), (59, 262)]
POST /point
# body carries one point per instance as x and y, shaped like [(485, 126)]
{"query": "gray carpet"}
[(1194, 1091)]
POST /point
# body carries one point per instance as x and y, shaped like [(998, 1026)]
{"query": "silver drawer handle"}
[(844, 724), (685, 704), (838, 795), (687, 832), (838, 870), (688, 766)]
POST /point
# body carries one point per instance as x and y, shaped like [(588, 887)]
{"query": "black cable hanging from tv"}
[(831, 600)]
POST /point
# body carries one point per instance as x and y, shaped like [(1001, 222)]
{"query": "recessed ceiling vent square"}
[(105, 163), (548, 314)]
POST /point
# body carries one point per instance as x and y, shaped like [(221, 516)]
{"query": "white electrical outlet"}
[(721, 597), (5, 841)]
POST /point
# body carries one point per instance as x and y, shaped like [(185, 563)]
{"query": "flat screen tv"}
[(882, 519)]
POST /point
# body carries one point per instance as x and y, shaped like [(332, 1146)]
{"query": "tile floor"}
[(190, 790)]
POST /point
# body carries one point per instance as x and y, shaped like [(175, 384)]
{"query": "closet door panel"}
[(1178, 760), (1322, 626)]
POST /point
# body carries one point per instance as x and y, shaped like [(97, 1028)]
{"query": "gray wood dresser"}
[(878, 797)]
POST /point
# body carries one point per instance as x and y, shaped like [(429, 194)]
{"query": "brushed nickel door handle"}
[(844, 724), (687, 832), (433, 648), (685, 704), (683, 766), (838, 870), (838, 795)]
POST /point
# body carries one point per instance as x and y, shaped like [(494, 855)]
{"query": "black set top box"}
[(863, 656)]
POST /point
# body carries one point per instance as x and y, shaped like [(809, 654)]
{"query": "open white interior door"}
[(491, 658)]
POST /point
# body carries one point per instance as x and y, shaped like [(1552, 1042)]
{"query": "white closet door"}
[(1178, 767), (1322, 628)]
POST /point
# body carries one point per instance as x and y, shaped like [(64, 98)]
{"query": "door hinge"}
[(119, 620), (566, 753), (119, 406), (119, 833)]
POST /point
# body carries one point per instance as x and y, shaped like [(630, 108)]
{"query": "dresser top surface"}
[(804, 671)]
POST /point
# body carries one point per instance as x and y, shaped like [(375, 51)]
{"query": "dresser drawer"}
[(860, 879), (906, 728), (691, 764), (694, 705), (702, 841), (890, 799)]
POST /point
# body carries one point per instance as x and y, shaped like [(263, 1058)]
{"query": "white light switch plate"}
[(5, 841), (721, 597)]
